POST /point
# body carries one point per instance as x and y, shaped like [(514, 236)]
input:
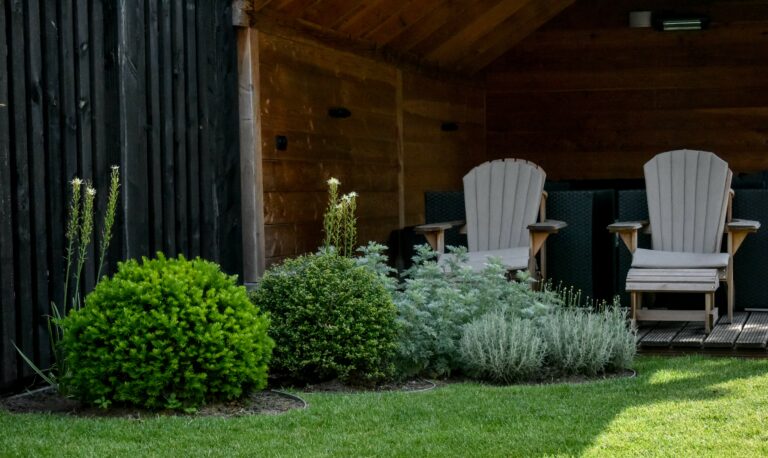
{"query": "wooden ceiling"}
[(462, 36)]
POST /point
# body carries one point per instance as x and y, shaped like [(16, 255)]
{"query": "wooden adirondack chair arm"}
[(628, 231), (435, 233), (541, 230), (737, 231), (550, 226)]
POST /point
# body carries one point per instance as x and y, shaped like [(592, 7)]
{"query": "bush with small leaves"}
[(165, 333), (438, 299), (501, 349), (331, 318), (583, 341)]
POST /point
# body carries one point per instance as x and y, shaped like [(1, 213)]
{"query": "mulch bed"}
[(48, 400), (268, 402)]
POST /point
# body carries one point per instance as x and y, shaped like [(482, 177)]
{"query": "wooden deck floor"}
[(747, 335)]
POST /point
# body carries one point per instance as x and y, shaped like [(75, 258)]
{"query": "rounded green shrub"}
[(165, 333), (330, 319)]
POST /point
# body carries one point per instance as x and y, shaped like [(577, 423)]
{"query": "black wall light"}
[(339, 112), (281, 142), (449, 126)]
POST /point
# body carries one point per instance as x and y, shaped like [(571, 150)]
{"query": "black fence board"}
[(8, 364), (20, 181), (167, 127), (180, 134), (154, 131), (149, 86), (54, 186), (38, 195), (192, 123)]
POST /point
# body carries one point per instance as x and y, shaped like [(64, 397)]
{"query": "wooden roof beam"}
[(300, 31), (517, 27), (463, 40)]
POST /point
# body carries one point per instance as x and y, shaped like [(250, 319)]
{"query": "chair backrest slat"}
[(687, 200), (501, 199)]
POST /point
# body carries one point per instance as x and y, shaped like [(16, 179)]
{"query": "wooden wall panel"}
[(435, 160), (586, 97), (394, 114), (298, 84)]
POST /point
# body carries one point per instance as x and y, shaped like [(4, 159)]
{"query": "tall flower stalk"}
[(339, 221), (79, 235), (86, 234), (109, 217), (73, 229)]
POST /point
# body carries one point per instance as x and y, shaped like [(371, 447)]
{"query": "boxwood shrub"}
[(330, 319), (166, 333)]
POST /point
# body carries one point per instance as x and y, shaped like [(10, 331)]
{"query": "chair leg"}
[(709, 299), (635, 298), (731, 295)]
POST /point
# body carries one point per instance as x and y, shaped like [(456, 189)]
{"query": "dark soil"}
[(50, 401), (269, 402), (335, 386)]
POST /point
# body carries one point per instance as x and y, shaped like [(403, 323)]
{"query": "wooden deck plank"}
[(724, 334), (661, 335), (755, 331), (692, 335), (643, 330)]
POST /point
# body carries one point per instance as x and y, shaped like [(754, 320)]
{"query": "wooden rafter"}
[(510, 32), (457, 36), (465, 39)]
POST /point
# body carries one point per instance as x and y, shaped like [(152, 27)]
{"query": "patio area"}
[(747, 336)]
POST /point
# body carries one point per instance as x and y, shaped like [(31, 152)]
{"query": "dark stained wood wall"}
[(588, 97), (84, 84), (395, 120), (436, 160), (298, 85)]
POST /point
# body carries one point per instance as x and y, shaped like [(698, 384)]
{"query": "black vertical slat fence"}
[(149, 85)]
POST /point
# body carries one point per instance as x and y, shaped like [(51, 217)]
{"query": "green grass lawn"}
[(687, 406)]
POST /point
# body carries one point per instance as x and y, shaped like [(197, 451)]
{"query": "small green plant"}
[(78, 234), (330, 319), (582, 341), (569, 341), (339, 221), (165, 333), (438, 299), (497, 348)]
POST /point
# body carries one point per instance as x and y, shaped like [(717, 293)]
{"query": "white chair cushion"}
[(513, 258), (657, 259)]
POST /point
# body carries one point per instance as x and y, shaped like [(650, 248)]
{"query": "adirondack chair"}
[(689, 206), (503, 200)]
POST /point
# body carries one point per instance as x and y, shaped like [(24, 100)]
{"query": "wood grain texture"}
[(435, 160), (446, 34), (8, 368), (86, 84), (389, 151), (587, 87)]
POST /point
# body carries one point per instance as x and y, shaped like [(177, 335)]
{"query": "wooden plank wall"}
[(436, 160), (395, 118), (389, 124), (586, 97), (84, 84)]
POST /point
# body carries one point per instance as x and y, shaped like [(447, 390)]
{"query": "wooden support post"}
[(251, 181), (436, 240), (630, 239)]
